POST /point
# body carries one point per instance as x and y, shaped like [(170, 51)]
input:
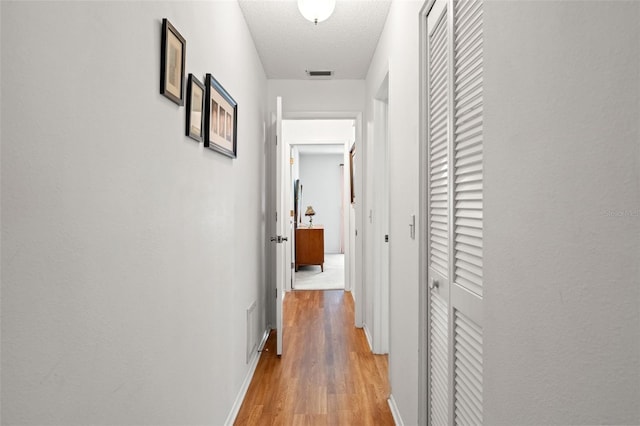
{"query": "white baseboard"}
[(394, 411), (368, 336), (264, 339), (235, 409)]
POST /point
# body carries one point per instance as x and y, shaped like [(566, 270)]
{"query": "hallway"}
[(327, 374), (138, 273)]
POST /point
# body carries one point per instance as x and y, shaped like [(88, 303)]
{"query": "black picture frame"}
[(195, 108), (173, 52), (221, 119)]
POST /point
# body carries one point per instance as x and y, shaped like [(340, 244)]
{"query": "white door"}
[(282, 219), (455, 182), (438, 213), (381, 222), (467, 310)]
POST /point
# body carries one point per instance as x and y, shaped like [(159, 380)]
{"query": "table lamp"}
[(310, 213)]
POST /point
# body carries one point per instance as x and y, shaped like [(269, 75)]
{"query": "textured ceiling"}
[(289, 45)]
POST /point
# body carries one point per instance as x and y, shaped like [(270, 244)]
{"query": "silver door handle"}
[(433, 283), (279, 239)]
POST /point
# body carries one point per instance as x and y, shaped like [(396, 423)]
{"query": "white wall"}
[(129, 252), (562, 213), (324, 96), (317, 132), (397, 54), (321, 182)]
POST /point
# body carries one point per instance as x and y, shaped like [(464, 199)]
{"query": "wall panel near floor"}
[(130, 253)]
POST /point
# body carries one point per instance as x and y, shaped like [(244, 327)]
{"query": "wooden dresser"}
[(310, 246)]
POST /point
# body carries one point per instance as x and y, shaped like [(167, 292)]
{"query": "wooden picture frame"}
[(221, 119), (195, 108), (172, 61)]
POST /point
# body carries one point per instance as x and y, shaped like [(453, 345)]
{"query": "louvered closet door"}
[(455, 212), (439, 88), (466, 298)]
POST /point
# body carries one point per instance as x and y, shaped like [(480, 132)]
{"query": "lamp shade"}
[(316, 10), (309, 211)]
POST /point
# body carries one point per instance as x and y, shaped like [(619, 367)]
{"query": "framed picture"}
[(195, 106), (221, 119), (172, 60)]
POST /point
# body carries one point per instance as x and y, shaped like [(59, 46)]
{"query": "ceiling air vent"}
[(320, 74)]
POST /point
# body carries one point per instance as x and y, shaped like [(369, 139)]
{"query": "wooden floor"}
[(327, 374)]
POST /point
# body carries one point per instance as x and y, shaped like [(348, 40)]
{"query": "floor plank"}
[(327, 374)]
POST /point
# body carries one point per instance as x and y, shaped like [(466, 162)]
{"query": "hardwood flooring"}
[(326, 376)]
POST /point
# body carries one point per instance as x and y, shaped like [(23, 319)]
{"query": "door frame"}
[(282, 224), (423, 175), (292, 145), (274, 251), (381, 218), (354, 259)]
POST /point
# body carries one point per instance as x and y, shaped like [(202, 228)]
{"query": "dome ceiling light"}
[(316, 10)]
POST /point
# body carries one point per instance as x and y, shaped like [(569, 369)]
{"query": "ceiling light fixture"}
[(316, 10)]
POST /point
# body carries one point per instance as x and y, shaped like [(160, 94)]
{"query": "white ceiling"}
[(289, 45)]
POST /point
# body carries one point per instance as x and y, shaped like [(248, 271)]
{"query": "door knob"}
[(433, 283)]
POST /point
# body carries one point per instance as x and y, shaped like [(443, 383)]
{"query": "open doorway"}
[(376, 291), (290, 132), (320, 200), (319, 197)]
